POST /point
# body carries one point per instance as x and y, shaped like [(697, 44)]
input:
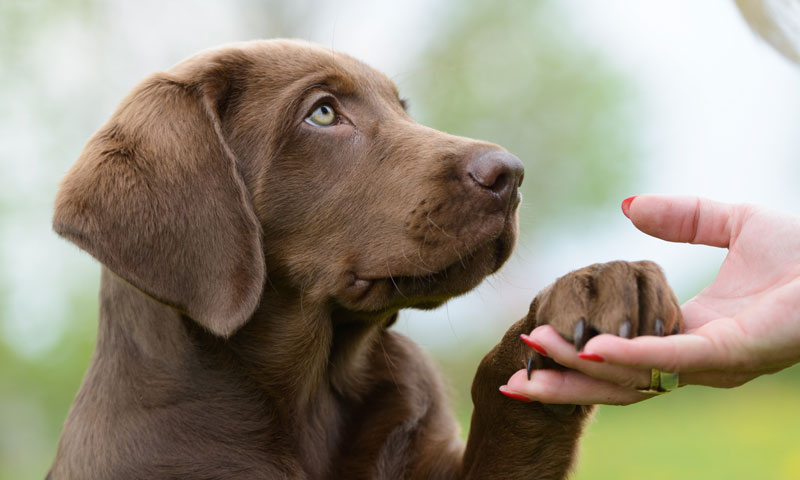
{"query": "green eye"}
[(323, 116)]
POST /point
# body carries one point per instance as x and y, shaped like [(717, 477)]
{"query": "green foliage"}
[(507, 72), (22, 20), (36, 392)]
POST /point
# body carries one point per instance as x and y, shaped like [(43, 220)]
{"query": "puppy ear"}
[(157, 197)]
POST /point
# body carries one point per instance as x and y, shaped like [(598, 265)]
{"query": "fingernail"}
[(626, 206), (514, 395), (591, 357), (529, 341)]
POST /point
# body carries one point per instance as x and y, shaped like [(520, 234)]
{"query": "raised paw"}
[(621, 298)]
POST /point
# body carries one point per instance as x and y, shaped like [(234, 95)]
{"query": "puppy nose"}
[(497, 172)]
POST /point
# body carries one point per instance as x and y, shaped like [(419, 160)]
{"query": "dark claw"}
[(579, 333), (676, 329), (625, 329), (659, 329), (529, 367)]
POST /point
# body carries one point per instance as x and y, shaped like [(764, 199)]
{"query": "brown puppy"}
[(262, 212)]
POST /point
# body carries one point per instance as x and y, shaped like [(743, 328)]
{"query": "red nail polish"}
[(515, 396), (591, 356), (539, 349), (626, 206)]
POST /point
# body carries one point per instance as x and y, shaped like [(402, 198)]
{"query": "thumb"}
[(681, 218)]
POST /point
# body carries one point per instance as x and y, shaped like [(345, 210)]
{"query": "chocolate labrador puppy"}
[(262, 212)]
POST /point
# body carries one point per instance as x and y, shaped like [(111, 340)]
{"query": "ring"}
[(660, 382)]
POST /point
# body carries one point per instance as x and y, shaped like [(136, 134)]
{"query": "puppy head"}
[(358, 202), (287, 158)]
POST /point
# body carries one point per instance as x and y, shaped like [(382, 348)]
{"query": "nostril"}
[(490, 180), (497, 171), (500, 182)]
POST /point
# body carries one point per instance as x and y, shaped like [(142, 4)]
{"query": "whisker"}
[(411, 261), (391, 277), (430, 220), (450, 322), (419, 252)]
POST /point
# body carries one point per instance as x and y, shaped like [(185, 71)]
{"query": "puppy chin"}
[(425, 291)]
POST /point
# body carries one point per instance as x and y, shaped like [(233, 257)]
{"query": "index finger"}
[(687, 219), (689, 352)]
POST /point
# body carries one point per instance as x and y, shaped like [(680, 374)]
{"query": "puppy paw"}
[(627, 299)]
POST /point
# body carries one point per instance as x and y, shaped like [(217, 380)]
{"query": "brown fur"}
[(253, 264)]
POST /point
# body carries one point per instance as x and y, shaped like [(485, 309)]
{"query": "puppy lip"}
[(357, 286), (401, 273), (501, 242), (354, 287), (427, 289), (502, 251)]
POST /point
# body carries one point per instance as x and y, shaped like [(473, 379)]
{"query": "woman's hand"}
[(743, 325)]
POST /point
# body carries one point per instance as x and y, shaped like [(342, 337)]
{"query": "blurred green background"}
[(600, 99)]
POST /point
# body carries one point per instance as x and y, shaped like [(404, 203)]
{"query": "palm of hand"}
[(753, 306)]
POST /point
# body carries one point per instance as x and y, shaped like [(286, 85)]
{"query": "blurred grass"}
[(36, 392), (696, 432)]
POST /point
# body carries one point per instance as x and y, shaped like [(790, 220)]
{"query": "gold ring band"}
[(660, 382), (669, 381)]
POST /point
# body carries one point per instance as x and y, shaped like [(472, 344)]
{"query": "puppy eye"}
[(323, 116)]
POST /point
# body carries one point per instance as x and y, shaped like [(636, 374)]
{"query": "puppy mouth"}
[(432, 288)]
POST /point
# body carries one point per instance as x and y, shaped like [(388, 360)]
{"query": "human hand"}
[(743, 325)]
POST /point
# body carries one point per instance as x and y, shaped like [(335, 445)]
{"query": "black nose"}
[(497, 172)]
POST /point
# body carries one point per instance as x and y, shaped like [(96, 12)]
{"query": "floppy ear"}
[(157, 197)]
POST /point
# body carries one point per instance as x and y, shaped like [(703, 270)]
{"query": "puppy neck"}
[(294, 344), (294, 351), (133, 324)]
